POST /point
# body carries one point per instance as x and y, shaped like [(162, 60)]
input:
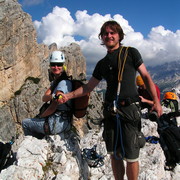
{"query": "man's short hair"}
[(114, 26)]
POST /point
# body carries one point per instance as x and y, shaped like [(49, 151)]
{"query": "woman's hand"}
[(142, 99), (61, 98), (47, 96), (147, 101)]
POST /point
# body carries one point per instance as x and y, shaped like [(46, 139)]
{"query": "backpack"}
[(6, 154), (169, 139), (80, 104), (172, 104)]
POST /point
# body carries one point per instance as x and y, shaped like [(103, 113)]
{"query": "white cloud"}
[(56, 27), (161, 45)]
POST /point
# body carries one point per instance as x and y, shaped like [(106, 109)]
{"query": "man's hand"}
[(62, 98), (158, 108)]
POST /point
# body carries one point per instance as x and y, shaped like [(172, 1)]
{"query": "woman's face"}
[(56, 68)]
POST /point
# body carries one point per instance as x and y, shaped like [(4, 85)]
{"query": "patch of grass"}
[(35, 80), (47, 166)]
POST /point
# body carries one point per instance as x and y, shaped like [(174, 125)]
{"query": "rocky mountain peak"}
[(24, 73)]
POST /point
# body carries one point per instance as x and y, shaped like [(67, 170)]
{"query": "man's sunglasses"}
[(56, 64)]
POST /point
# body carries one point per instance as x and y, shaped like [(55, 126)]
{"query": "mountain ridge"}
[(166, 76)]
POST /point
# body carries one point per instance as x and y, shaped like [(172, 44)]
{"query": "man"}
[(111, 35), (146, 99)]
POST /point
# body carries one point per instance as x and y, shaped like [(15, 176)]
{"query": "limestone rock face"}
[(20, 54), (24, 79), (76, 64), (60, 157), (24, 67)]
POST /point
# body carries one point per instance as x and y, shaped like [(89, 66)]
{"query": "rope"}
[(121, 66), (119, 131)]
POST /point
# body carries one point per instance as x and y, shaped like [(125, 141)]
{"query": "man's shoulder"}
[(102, 60), (132, 49)]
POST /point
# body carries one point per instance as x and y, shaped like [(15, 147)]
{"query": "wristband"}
[(53, 96)]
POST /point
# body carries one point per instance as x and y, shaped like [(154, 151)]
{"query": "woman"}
[(57, 117), (144, 95)]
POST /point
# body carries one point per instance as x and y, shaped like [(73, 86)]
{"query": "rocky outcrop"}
[(24, 67), (24, 74), (20, 55), (60, 157)]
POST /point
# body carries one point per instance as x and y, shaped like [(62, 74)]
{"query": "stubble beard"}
[(112, 46)]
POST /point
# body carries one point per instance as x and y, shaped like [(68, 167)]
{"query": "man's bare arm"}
[(81, 91), (151, 89)]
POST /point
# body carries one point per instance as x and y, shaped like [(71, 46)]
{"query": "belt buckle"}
[(125, 102), (122, 103)]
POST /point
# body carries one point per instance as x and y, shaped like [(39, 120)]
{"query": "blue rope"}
[(119, 131)]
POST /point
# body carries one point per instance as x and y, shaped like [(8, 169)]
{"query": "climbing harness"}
[(152, 139), (92, 157), (6, 154)]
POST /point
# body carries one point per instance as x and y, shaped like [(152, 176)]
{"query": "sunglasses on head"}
[(56, 64)]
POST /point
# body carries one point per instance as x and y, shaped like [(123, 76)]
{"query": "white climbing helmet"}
[(57, 57)]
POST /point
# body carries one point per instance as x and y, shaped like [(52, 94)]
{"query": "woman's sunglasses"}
[(56, 64)]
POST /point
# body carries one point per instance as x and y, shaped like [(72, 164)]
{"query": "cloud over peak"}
[(160, 46)]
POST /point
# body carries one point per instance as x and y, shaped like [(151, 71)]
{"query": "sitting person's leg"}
[(33, 126)]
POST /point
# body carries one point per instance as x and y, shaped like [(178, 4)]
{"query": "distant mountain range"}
[(166, 76)]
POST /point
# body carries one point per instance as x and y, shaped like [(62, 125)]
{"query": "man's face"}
[(111, 39)]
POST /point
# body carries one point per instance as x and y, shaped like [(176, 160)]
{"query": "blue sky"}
[(141, 14), (153, 27)]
